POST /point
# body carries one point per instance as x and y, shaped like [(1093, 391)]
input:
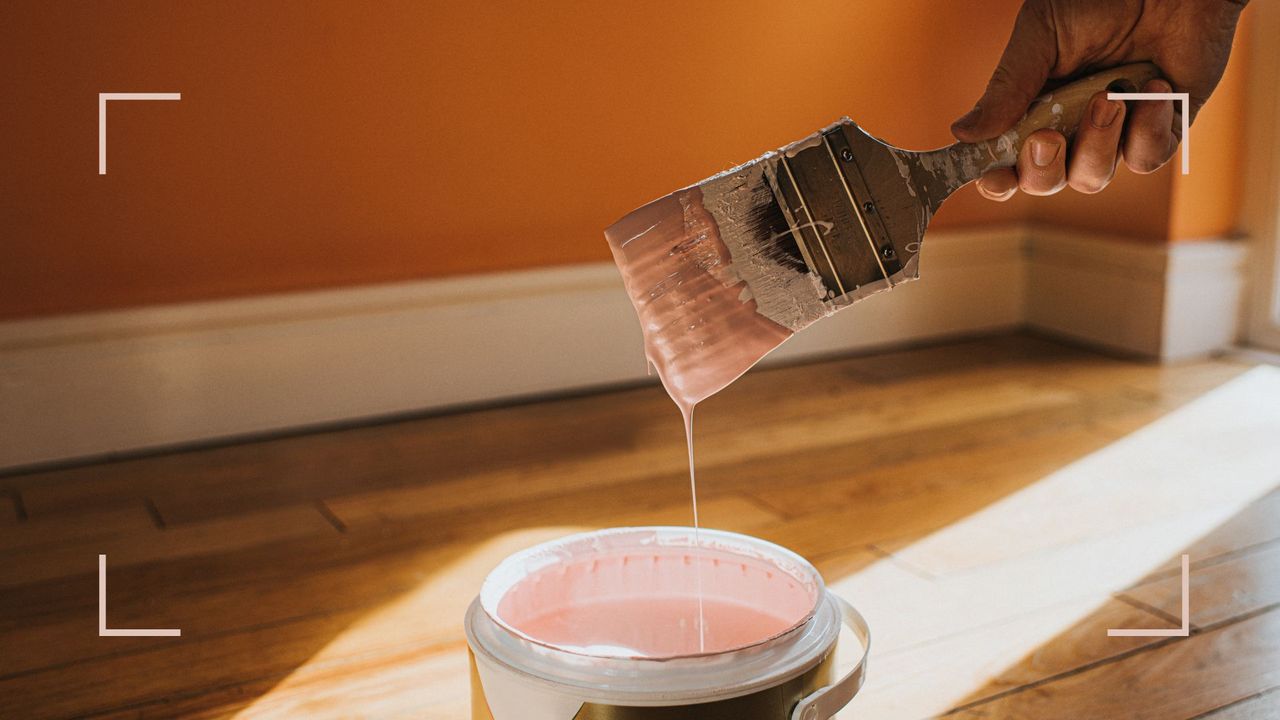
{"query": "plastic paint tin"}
[(606, 626)]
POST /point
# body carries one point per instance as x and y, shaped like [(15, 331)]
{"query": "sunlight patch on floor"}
[(404, 659), (1012, 576)]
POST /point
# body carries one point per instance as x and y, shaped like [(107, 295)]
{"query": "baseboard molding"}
[(1205, 285), (87, 386), (1153, 300), (92, 385)]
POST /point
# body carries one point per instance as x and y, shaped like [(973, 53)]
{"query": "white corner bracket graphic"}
[(1185, 99), (1183, 631), (102, 118), (103, 630)]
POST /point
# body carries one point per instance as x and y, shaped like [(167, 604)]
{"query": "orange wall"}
[(1206, 201), (333, 142)]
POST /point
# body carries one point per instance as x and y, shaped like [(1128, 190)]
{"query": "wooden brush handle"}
[(1063, 108)]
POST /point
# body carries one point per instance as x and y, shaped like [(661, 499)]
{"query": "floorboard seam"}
[(1235, 703), (19, 507), (766, 506), (142, 704), (902, 564), (142, 650), (154, 511), (330, 516), (1153, 610), (990, 624), (1208, 562), (1110, 660), (279, 622), (197, 692)]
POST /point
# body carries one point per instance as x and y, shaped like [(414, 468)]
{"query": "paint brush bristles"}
[(724, 271), (700, 321)]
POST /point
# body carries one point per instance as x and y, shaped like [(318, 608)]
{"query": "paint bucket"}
[(610, 625)]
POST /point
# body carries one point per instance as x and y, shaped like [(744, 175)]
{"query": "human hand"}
[(1189, 40)]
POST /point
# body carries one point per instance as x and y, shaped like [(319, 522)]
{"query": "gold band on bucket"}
[(774, 703)]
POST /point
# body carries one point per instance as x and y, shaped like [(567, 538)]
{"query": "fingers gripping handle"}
[(1060, 109), (825, 703)]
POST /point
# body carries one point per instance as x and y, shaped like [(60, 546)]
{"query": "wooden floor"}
[(993, 506)]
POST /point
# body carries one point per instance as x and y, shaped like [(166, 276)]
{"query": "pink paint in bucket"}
[(601, 624), (619, 595)]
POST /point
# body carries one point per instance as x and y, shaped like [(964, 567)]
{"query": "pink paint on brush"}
[(699, 333)]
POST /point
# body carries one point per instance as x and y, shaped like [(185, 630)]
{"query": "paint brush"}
[(724, 271)]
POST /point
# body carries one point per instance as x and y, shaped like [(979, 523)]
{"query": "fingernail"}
[(967, 120), (1043, 153), (1104, 113)]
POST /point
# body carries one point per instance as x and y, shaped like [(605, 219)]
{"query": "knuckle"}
[(1148, 136), (1148, 150), (1041, 186), (1145, 163), (1146, 168), (1091, 172), (1003, 78), (1088, 186)]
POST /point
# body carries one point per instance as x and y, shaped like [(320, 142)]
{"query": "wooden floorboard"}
[(1237, 585), (1262, 706), (1256, 525), (1173, 679), (945, 490)]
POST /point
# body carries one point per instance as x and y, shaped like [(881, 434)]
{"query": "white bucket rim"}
[(516, 566)]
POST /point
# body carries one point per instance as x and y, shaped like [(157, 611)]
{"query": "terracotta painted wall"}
[(331, 142), (1207, 201)]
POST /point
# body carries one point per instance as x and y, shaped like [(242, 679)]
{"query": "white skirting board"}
[(1154, 300), (85, 386)]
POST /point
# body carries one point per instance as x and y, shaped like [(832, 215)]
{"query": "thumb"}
[(1024, 67)]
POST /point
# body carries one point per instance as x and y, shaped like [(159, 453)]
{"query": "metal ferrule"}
[(832, 214)]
